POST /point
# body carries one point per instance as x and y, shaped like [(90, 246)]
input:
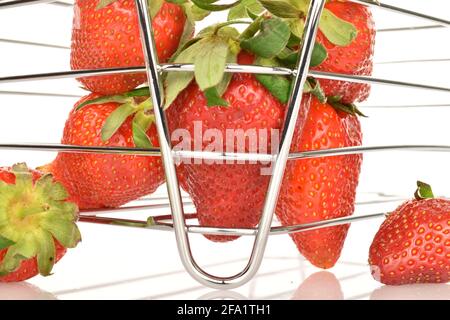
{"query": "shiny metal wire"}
[(177, 220)]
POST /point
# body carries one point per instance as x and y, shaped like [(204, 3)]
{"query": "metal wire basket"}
[(176, 221)]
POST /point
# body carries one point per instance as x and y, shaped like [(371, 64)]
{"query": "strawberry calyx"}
[(349, 108), (134, 103), (210, 51), (338, 31), (32, 216), (423, 191)]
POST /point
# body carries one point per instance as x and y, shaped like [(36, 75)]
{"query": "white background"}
[(121, 263)]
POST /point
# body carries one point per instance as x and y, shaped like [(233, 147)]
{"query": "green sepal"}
[(210, 6), (174, 83), (313, 87), (32, 215), (66, 233), (213, 98), (297, 27), (5, 243), (103, 4), (141, 123), (252, 29), (349, 108), (154, 6), (278, 86), (116, 119), (423, 191), (46, 253), (274, 31), (210, 62), (319, 55), (245, 9), (336, 30), (289, 57), (282, 9), (252, 15), (122, 98), (194, 13), (24, 178)]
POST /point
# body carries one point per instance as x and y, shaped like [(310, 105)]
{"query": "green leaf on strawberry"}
[(245, 9), (281, 8), (211, 6), (116, 119), (33, 214), (154, 6), (337, 31), (103, 4), (423, 191), (5, 243), (274, 31), (213, 98), (210, 62), (140, 125), (279, 86)]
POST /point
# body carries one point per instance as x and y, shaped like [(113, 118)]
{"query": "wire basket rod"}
[(230, 68), (372, 3), (154, 152), (155, 223)]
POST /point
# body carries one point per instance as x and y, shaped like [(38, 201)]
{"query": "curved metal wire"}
[(182, 229), (230, 68)]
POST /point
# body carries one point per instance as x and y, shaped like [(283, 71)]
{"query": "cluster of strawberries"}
[(39, 208)]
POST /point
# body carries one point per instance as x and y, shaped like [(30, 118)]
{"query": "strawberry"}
[(105, 34), (37, 223), (413, 243), (321, 188), (355, 58), (344, 44), (99, 180), (227, 195)]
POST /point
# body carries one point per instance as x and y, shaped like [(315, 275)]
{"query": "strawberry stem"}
[(423, 191)]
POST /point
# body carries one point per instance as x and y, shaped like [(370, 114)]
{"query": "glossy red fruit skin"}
[(28, 268), (109, 38), (227, 195), (355, 59), (96, 180), (413, 244), (321, 188)]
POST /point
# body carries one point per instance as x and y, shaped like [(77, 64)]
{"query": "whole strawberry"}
[(413, 243), (108, 180), (228, 194), (321, 188), (355, 58), (105, 34), (37, 223)]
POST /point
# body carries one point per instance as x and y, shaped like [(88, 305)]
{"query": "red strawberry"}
[(227, 195), (355, 58), (413, 243), (321, 188), (109, 37), (37, 223), (98, 180)]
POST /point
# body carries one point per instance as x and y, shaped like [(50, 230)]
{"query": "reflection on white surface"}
[(322, 285), (412, 292), (23, 291)]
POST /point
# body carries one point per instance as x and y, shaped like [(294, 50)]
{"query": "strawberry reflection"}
[(321, 285), (23, 291)]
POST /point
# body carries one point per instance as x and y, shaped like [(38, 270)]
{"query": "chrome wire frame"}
[(292, 112), (177, 220)]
